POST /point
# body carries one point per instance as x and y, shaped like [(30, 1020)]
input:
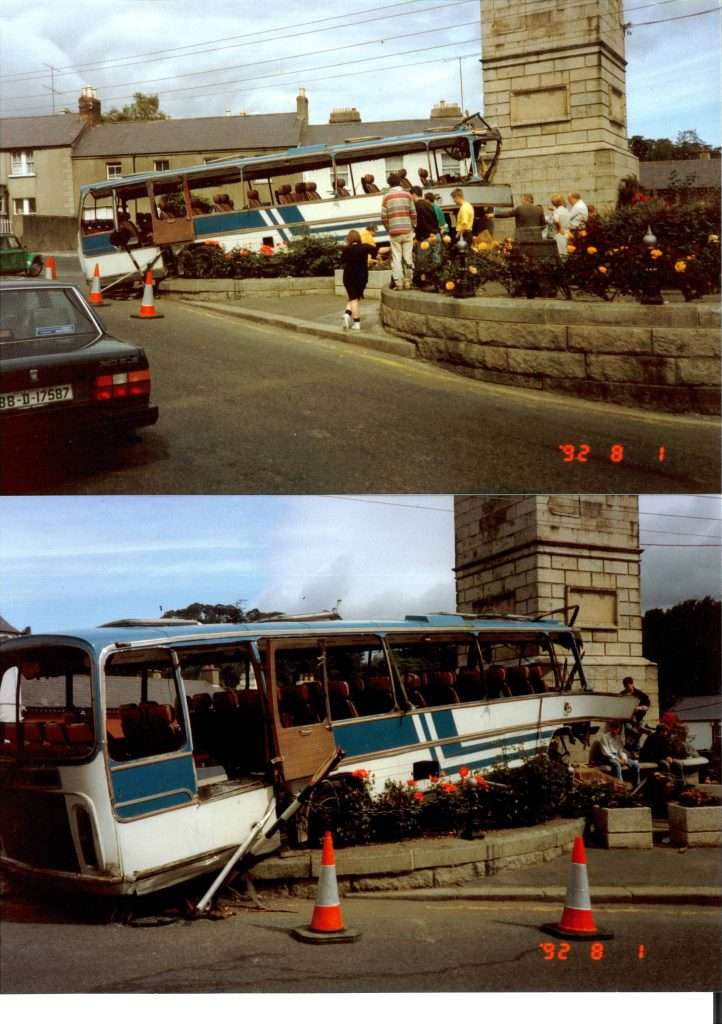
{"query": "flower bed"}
[(316, 256), (533, 793), (634, 252)]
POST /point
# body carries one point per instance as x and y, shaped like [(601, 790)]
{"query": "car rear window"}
[(30, 313)]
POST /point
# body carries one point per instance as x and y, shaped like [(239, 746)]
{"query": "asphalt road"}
[(245, 409), (404, 947)]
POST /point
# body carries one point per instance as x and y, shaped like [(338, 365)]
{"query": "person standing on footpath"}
[(464, 215), (528, 219), (578, 211), (559, 223), (426, 223), (398, 214), (355, 257), (441, 220)]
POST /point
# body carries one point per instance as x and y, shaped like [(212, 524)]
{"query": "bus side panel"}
[(183, 833), (145, 787)]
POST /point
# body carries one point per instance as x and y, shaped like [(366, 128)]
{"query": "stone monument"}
[(532, 554), (554, 84)]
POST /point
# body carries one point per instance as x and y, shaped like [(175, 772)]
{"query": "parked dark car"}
[(61, 373)]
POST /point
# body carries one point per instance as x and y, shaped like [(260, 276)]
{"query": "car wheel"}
[(35, 267)]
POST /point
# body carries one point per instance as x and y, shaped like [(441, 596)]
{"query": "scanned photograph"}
[(269, 250)]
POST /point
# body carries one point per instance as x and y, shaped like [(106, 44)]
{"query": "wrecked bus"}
[(139, 754)]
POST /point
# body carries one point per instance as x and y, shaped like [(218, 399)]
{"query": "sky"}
[(257, 54), (68, 562)]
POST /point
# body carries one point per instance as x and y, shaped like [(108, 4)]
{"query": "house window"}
[(113, 170), (161, 165), (23, 206), (22, 163)]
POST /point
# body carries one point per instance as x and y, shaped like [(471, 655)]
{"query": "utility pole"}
[(461, 86), (52, 88)]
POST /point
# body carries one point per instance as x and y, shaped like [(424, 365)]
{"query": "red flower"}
[(410, 782), (481, 781), (433, 778), (464, 771), (448, 787), (418, 797), (360, 773)]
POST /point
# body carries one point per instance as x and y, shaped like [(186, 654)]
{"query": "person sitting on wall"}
[(613, 754)]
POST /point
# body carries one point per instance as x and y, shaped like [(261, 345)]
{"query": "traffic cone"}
[(577, 921), (96, 296), (326, 922), (51, 273), (147, 309)]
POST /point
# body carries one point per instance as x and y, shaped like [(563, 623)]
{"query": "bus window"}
[(437, 671), (299, 678), (359, 679), (143, 709), (225, 709), (50, 689)]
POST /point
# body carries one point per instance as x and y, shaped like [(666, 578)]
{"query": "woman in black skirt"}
[(355, 257)]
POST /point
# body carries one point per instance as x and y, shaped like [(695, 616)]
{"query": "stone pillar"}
[(554, 84), (531, 555)]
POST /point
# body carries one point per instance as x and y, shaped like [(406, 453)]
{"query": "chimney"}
[(302, 106), (344, 115), (89, 106), (444, 109)]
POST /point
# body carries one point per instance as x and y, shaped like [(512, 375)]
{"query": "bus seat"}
[(469, 685), (339, 695), (311, 190), (367, 183), (56, 737), (518, 680), (162, 732), (283, 195), (496, 682), (254, 200), (202, 702), (8, 737), (33, 736), (441, 689), (340, 189), (536, 679), (225, 701), (80, 735), (379, 696), (299, 192), (412, 685)]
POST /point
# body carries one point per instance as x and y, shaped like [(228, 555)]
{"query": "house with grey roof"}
[(36, 173), (692, 179)]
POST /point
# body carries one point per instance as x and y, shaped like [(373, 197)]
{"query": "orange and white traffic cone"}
[(147, 308), (51, 273), (577, 921), (326, 922), (96, 296)]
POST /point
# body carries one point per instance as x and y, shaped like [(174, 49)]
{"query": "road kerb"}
[(362, 339), (703, 895)]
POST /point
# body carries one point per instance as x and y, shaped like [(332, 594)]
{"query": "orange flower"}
[(450, 285), (713, 238), (680, 266), (447, 239), (482, 246), (418, 797), (655, 253), (591, 249), (582, 233), (424, 245), (602, 270), (245, 252), (464, 771), (473, 270), (571, 248)]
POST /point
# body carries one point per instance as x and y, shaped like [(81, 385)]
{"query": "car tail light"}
[(109, 386)]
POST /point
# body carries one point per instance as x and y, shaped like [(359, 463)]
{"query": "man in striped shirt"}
[(398, 213)]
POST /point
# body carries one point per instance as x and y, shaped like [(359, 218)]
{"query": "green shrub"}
[(307, 256)]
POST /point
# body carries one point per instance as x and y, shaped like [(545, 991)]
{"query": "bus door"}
[(171, 211), (149, 750), (299, 699)]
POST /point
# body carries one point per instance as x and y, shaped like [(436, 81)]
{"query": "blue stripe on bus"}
[(150, 778), (153, 804), (97, 245)]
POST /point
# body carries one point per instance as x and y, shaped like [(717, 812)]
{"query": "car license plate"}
[(35, 397)]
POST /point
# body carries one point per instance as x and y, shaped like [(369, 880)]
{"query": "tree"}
[(144, 107), (218, 613), (685, 642), (687, 146)]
